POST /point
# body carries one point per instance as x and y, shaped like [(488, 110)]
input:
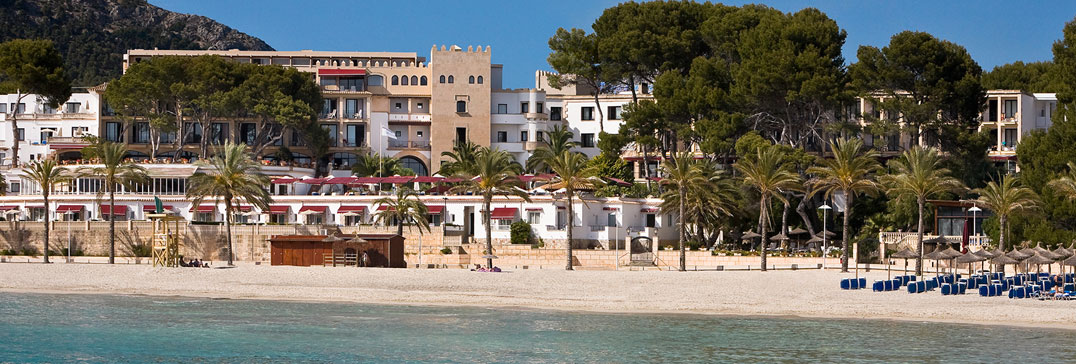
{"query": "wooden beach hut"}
[(381, 250)]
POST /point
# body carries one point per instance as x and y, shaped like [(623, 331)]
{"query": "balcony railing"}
[(410, 117), (409, 144)]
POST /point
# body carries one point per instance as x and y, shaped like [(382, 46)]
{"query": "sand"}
[(777, 293)]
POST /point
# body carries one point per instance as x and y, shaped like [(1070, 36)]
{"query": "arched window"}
[(470, 80), (395, 80), (374, 80), (403, 80), (451, 79), (422, 81), (414, 164), (479, 80), (442, 78), (414, 80), (461, 106)]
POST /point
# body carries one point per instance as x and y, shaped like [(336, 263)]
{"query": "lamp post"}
[(974, 218), (69, 215), (825, 209), (444, 220)]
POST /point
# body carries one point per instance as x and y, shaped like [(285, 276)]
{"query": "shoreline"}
[(815, 294)]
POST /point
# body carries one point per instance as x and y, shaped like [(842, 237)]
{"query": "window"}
[(248, 133), (451, 79), (140, 134), (538, 107), (334, 133), (418, 133), (194, 133), (479, 80), (218, 133), (45, 135), (586, 113), (422, 81), (524, 107), (461, 135), (21, 109), (72, 107), (352, 84), (534, 217), (374, 80), (112, 132), (1009, 108), (614, 112), (651, 220), (554, 113), (328, 109), (1009, 138), (399, 106), (355, 135), (352, 109), (502, 136), (328, 81), (461, 106), (20, 134), (398, 134), (395, 80), (523, 136), (404, 81), (3, 108), (611, 220), (442, 78), (502, 108), (419, 106), (587, 140), (470, 80), (77, 131)]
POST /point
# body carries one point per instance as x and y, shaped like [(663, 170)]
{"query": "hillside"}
[(93, 34)]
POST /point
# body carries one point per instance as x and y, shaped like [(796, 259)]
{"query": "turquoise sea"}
[(102, 328)]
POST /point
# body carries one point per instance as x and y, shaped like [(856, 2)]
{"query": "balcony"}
[(410, 119), (536, 116), (347, 89), (409, 144), (509, 147)]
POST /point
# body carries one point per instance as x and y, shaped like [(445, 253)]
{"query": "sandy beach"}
[(776, 293)]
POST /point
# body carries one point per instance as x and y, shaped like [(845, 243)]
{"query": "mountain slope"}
[(94, 34)]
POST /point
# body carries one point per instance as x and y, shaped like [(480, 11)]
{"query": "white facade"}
[(39, 125)]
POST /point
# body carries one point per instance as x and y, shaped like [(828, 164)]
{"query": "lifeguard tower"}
[(165, 239)]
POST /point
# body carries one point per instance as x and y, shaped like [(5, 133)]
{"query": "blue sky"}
[(994, 32)]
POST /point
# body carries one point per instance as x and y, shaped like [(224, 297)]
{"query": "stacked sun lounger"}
[(854, 283)]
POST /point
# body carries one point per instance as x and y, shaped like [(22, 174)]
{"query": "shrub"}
[(8, 252), (521, 232), (446, 251), (694, 245)]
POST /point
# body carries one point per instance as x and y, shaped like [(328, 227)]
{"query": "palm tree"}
[(1066, 184), (848, 172), (560, 140), (1005, 199), (404, 208), (46, 174), (461, 159), (495, 174), (918, 174), (377, 165), (571, 175), (114, 172), (706, 204), (681, 172), (234, 178), (769, 174)]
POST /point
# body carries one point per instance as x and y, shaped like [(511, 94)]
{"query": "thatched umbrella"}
[(953, 254), (987, 255), (815, 240), (1071, 261), (1038, 261), (1062, 252), (797, 231), (1002, 260), (937, 255), (780, 237), (969, 258), (905, 254), (1018, 255), (750, 235)]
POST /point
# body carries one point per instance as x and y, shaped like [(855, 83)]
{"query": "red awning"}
[(649, 209), (434, 210), (502, 213), (68, 208), (428, 179), (340, 72), (368, 180), (526, 177), (313, 181), (382, 207), (607, 208), (120, 210), (279, 210), (318, 209), (341, 180), (398, 179), (534, 209), (245, 208), (438, 189), (153, 208), (655, 179), (284, 181), (204, 208), (8, 208), (355, 209)]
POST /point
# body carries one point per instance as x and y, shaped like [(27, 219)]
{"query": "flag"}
[(385, 132), (157, 203)]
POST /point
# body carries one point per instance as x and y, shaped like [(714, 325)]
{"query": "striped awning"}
[(502, 213), (279, 209), (153, 208), (120, 210), (63, 209), (204, 208)]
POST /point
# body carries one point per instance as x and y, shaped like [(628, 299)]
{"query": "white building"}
[(43, 130)]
